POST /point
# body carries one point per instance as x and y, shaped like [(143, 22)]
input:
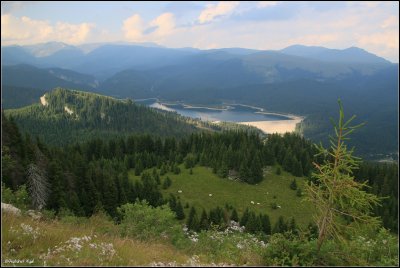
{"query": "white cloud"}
[(262, 4), (214, 11), (314, 39), (73, 34), (368, 4), (165, 24), (388, 39), (133, 28), (390, 22), (25, 30)]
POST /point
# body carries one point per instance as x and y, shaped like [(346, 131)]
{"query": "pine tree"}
[(204, 221), (245, 217), (293, 226), (297, 169), (180, 215), (167, 183), (192, 221), (336, 193), (253, 224), (234, 216), (156, 176), (172, 202), (38, 186), (138, 167), (280, 226), (265, 224)]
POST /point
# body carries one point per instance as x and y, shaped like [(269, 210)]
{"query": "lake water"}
[(235, 113)]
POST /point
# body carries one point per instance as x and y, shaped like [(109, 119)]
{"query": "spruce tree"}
[(253, 224), (192, 221), (180, 215), (234, 216), (336, 194), (265, 224), (204, 221), (280, 226), (245, 217), (292, 226)]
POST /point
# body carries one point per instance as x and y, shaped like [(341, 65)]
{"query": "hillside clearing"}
[(196, 190)]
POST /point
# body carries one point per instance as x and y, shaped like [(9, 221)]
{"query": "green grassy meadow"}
[(197, 187)]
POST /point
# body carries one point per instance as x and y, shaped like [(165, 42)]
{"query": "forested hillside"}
[(86, 177), (91, 179), (66, 116)]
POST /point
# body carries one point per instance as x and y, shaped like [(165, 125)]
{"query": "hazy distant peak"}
[(348, 55), (46, 49)]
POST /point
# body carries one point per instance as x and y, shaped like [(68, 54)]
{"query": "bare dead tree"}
[(38, 186)]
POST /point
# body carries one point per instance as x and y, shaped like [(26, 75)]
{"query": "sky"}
[(373, 26)]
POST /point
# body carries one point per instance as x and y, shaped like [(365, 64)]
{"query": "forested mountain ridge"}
[(301, 80), (65, 116)]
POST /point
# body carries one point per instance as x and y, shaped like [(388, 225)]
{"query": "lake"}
[(233, 112)]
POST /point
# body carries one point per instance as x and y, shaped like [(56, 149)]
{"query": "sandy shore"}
[(278, 126)]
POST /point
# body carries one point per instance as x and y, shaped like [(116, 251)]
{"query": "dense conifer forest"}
[(91, 176)]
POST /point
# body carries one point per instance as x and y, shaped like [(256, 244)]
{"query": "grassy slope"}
[(20, 245), (197, 187)]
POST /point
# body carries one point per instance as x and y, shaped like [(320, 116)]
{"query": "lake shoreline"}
[(267, 126), (276, 126)]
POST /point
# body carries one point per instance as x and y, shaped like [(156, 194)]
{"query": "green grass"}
[(97, 241), (197, 187), (20, 245)]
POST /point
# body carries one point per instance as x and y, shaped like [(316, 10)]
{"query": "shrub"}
[(49, 214), (7, 195), (289, 250), (21, 198), (142, 221)]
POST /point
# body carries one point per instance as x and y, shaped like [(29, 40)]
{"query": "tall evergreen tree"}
[(336, 193), (234, 216), (280, 226), (266, 224), (204, 221), (245, 217), (192, 221), (180, 215)]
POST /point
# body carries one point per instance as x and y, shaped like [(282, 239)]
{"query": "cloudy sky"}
[(373, 26)]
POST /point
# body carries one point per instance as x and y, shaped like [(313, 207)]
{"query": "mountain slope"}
[(68, 116), (348, 55), (23, 75)]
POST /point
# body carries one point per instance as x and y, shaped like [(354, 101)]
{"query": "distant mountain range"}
[(298, 79)]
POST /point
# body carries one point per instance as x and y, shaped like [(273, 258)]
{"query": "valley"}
[(287, 81), (200, 133)]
